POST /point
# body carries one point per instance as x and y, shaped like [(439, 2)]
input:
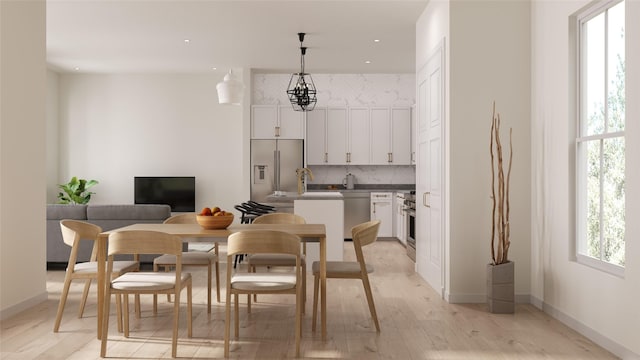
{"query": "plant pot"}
[(500, 288)]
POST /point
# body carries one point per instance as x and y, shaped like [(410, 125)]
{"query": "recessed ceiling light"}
[(368, 62), (376, 40), (186, 41), (76, 68), (214, 68)]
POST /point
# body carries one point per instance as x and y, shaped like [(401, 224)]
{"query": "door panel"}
[(429, 173)]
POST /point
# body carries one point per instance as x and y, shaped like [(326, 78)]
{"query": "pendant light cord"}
[(303, 51)]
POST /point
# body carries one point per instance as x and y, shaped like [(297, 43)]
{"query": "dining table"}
[(195, 233)]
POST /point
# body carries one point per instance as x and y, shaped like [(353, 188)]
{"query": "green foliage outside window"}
[(606, 177)]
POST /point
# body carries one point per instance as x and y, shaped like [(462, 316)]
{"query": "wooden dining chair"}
[(262, 242), (279, 260), (362, 235), (74, 232), (191, 259), (147, 242)]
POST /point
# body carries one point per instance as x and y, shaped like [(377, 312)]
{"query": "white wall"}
[(600, 305), (52, 142), (489, 61), (22, 155), (115, 127)]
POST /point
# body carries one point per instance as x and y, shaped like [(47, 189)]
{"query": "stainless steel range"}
[(410, 229)]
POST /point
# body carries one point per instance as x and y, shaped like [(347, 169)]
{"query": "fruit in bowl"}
[(214, 218)]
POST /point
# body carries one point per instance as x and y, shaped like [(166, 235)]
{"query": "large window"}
[(600, 141)]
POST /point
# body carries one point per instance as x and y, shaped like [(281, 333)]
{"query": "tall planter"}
[(500, 272), (500, 288)]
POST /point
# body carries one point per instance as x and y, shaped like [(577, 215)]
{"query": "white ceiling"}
[(127, 36)]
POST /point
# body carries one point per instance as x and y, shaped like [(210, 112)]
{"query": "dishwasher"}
[(356, 210)]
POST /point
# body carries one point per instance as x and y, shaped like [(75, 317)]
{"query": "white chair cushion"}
[(188, 258), (92, 266), (340, 267), (263, 281), (274, 260), (147, 280)]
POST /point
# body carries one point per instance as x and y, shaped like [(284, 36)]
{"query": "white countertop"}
[(310, 195)]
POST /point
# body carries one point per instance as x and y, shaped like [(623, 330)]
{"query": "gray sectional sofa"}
[(106, 216)]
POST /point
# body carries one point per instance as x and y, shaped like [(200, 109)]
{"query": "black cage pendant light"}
[(301, 89)]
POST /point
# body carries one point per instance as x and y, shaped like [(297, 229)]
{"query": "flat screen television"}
[(179, 192)]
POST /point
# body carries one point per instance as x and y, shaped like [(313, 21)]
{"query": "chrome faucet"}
[(300, 173)]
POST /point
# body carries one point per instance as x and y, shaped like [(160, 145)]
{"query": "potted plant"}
[(76, 191), (500, 272)]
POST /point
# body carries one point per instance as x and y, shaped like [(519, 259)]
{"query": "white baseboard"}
[(536, 302), (24, 305), (593, 335)]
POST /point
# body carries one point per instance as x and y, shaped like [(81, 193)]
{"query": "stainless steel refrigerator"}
[(273, 167)]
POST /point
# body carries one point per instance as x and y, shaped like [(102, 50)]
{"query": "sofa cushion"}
[(108, 217), (66, 211), (128, 212)]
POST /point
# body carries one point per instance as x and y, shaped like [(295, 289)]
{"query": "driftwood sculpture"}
[(500, 230)]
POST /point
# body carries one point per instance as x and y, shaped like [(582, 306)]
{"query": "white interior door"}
[(429, 172)]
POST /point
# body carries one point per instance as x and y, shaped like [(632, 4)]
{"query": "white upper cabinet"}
[(380, 136), (359, 136), (359, 141), (317, 153), (401, 139), (276, 122), (264, 119), (391, 136), (291, 124), (337, 136), (414, 131)]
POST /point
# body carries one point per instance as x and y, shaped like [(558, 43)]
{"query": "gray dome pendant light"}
[(301, 89)]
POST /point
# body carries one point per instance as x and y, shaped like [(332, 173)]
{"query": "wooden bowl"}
[(214, 222)]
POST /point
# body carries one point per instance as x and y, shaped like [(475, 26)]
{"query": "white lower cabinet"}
[(400, 218), (382, 209)]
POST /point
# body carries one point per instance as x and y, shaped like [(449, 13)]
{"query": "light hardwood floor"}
[(415, 322)]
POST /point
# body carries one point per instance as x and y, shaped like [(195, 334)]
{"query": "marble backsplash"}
[(340, 89), (364, 174)]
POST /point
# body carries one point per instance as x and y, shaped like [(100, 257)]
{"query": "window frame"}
[(580, 19)]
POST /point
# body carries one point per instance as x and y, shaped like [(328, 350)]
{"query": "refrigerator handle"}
[(276, 173)]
